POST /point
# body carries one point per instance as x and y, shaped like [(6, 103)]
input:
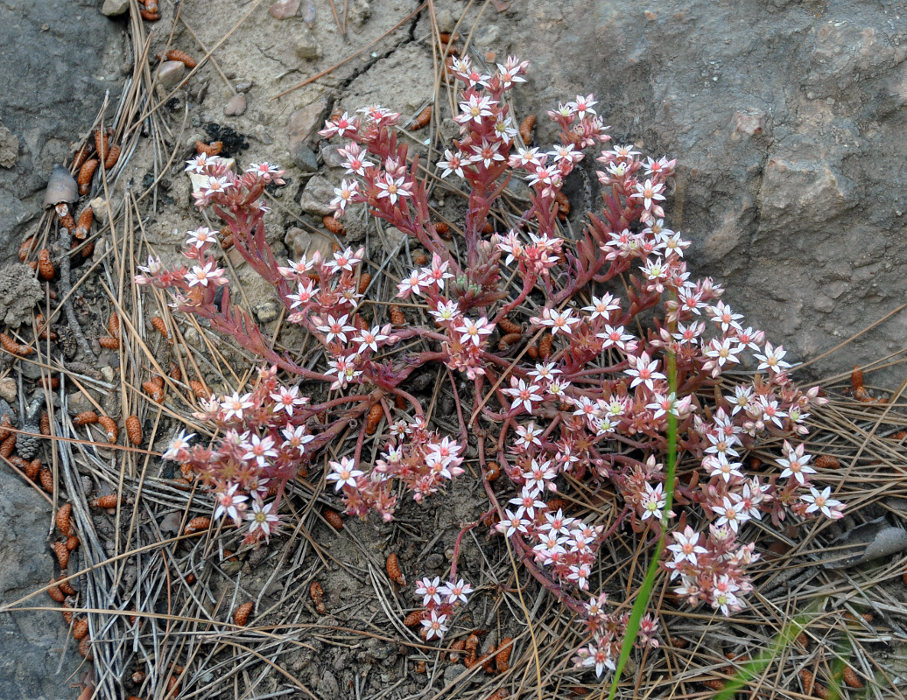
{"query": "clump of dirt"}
[(19, 292)]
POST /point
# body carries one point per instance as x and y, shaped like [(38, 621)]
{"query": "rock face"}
[(787, 120), (59, 59), (31, 643)]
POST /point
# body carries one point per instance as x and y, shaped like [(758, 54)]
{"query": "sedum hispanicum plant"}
[(562, 344)]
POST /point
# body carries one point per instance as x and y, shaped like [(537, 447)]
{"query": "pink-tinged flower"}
[(343, 473), (201, 237), (486, 153), (512, 523), (527, 501), (512, 245), (723, 595), (583, 105), (229, 504), (369, 339), (544, 372), (429, 590), (510, 72), (344, 195), (742, 398), (412, 284), (456, 592), (204, 274), (261, 518), (557, 321), (528, 435), (528, 158), (648, 192), (234, 406), (200, 163), (823, 502), (336, 328), (394, 188), (435, 625), (472, 331), (770, 411), (732, 514), (437, 273), (445, 311), (260, 449), (753, 339), (621, 153), (453, 163), (602, 307), (597, 655), (722, 352), (345, 260), (686, 548), (213, 187), (296, 438), (671, 242), (304, 294), (722, 314), (287, 400), (771, 360), (356, 161), (345, 369), (653, 502), (541, 476), (795, 463), (342, 126), (690, 299), (523, 394), (644, 370), (720, 466), (614, 336), (474, 109), (268, 172), (178, 446), (688, 335)]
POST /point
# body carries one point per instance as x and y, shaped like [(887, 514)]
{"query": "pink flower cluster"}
[(415, 457), (438, 603), (593, 405)]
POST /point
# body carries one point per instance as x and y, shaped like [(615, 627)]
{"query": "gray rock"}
[(243, 86), (305, 159), (304, 122), (19, 292), (317, 195), (305, 46), (299, 241), (236, 106), (8, 389), (283, 9), (170, 73), (51, 78), (114, 8), (9, 148), (330, 154), (31, 643), (788, 133)]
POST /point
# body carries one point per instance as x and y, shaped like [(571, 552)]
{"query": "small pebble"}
[(8, 389), (170, 73), (236, 106), (114, 8), (108, 374), (283, 9), (244, 86)]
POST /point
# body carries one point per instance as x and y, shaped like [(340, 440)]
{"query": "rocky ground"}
[(787, 120)]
